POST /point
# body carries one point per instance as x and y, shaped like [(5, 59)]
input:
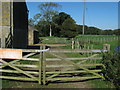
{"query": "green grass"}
[(96, 36), (99, 83), (54, 40), (97, 44), (95, 41)]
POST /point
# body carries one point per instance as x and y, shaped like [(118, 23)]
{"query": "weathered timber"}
[(40, 66), (44, 66), (57, 59), (56, 74), (13, 71), (28, 55), (18, 60), (12, 66), (84, 58), (72, 78), (82, 65), (80, 71), (30, 59), (18, 78), (55, 66), (70, 51), (34, 50), (76, 51), (79, 66)]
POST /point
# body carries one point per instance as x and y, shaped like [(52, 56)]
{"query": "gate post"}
[(43, 67), (40, 66)]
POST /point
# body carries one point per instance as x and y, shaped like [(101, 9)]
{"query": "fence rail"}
[(45, 69), (18, 72)]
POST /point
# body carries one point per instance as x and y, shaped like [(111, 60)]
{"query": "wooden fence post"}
[(44, 67), (91, 49), (106, 46), (73, 43), (78, 45), (40, 65), (88, 50)]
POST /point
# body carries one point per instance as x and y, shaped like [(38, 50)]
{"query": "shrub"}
[(112, 71)]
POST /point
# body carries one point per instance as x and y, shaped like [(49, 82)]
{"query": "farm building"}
[(14, 22), (32, 35)]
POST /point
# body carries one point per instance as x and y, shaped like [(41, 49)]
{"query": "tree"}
[(69, 28), (93, 31), (48, 10), (66, 26), (33, 21), (59, 19), (116, 31), (43, 28), (79, 29)]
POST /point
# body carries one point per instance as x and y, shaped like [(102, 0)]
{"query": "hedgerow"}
[(112, 70)]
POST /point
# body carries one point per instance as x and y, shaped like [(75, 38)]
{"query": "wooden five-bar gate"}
[(17, 64)]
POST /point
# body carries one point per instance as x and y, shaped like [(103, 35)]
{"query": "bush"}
[(112, 71)]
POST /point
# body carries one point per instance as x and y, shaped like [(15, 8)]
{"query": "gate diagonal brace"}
[(76, 65), (89, 58), (12, 62), (12, 66)]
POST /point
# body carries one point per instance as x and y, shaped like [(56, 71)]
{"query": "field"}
[(89, 42)]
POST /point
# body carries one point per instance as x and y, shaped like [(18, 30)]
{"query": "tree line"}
[(51, 22)]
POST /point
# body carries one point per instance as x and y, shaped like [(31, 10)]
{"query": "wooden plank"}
[(57, 59), (55, 66), (72, 78), (12, 66), (28, 55), (76, 51), (35, 50), (31, 50), (80, 71), (70, 51), (82, 65), (26, 65), (10, 53), (14, 71), (40, 67), (83, 58), (17, 78), (44, 67), (50, 45), (88, 58), (18, 59), (56, 74), (79, 66), (30, 59)]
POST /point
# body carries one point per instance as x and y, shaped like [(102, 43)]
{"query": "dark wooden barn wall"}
[(20, 22)]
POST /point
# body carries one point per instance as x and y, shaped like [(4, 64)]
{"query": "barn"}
[(14, 25), (14, 29), (33, 35)]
